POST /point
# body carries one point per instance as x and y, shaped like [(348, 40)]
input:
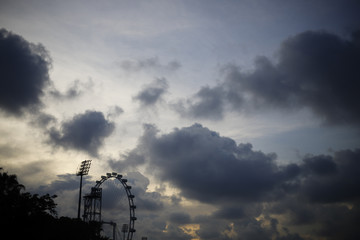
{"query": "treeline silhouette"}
[(29, 216)]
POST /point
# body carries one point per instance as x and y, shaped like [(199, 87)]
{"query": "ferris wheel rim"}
[(130, 198)]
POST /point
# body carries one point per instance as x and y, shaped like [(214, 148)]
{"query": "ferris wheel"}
[(94, 200)]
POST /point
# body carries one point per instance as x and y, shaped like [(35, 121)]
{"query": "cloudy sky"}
[(230, 119)]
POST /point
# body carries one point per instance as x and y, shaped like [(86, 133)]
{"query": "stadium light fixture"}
[(82, 170)]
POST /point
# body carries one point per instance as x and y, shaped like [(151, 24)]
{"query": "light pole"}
[(83, 170)]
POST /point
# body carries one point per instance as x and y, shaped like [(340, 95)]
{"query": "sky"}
[(230, 119)]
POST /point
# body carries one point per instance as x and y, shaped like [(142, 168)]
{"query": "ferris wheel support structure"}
[(93, 202)]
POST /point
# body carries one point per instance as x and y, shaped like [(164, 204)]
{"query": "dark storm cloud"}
[(238, 181), (338, 222), (332, 221), (179, 218), (150, 201), (85, 132), (325, 194), (215, 166), (149, 63), (220, 170), (152, 93), (229, 213), (318, 70), (314, 69), (24, 74), (333, 178), (214, 228), (211, 228), (320, 165), (128, 161), (207, 103)]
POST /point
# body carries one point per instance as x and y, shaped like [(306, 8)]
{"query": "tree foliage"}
[(30, 216)]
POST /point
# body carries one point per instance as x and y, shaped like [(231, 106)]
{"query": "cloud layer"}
[(314, 69), (244, 184), (221, 189), (149, 63), (75, 90)]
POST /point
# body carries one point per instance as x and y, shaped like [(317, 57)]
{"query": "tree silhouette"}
[(24, 215)]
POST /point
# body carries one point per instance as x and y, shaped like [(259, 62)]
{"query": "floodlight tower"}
[(83, 170)]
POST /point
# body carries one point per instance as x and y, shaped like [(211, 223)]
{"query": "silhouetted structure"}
[(83, 170), (93, 201), (92, 205)]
